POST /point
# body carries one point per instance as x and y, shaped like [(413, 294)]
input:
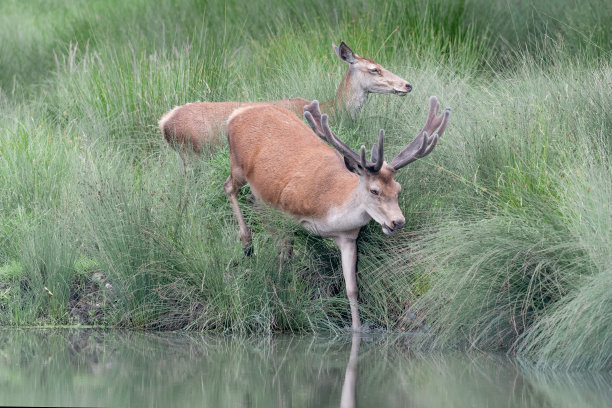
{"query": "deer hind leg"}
[(285, 252), (182, 160), (231, 186), (285, 247)]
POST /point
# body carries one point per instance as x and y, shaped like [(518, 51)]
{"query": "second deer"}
[(194, 125)]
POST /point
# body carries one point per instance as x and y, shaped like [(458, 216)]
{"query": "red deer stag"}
[(190, 126), (332, 195)]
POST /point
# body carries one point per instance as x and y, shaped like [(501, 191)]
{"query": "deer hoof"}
[(248, 251), (250, 199)]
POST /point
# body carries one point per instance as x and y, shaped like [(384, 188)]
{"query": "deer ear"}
[(345, 53), (336, 50), (353, 167)]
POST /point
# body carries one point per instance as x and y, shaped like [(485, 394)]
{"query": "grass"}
[(523, 235), (508, 240)]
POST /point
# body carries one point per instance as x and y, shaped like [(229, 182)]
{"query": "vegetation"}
[(508, 244)]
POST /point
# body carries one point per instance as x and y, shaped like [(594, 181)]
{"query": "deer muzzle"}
[(393, 226), (403, 90)]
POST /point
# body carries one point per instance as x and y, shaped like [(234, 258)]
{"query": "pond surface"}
[(67, 367)]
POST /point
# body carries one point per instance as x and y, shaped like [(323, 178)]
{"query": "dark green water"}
[(63, 367)]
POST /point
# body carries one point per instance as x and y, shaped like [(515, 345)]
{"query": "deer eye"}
[(374, 71), (374, 192)]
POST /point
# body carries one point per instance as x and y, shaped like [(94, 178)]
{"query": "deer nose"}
[(408, 87), (397, 224)]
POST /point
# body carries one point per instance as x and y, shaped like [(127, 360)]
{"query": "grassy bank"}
[(508, 239)]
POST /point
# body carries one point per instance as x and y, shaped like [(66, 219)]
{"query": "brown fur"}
[(192, 126), (285, 163), (196, 123)]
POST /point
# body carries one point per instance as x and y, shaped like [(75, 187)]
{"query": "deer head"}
[(369, 76), (378, 191)]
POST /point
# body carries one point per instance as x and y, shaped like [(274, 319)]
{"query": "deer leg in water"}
[(347, 400)]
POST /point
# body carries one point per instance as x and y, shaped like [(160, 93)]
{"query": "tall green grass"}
[(507, 244), (523, 234)]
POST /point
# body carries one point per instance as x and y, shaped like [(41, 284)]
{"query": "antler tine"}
[(434, 107), (441, 129), (445, 119), (364, 162), (378, 153), (313, 108), (312, 113), (422, 145)]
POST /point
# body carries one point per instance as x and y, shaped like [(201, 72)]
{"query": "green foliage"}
[(507, 244), (521, 239)]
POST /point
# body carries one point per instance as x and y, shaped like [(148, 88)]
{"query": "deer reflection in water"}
[(347, 399)]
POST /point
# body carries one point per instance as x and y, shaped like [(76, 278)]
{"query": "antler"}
[(423, 144), (319, 124)]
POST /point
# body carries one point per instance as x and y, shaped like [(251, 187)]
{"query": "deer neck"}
[(344, 211), (350, 96), (351, 214)]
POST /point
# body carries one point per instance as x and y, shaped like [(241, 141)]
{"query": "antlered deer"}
[(332, 195), (196, 124)]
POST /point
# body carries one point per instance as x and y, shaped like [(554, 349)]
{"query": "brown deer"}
[(194, 125), (332, 193)]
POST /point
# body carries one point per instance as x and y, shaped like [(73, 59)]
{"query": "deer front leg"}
[(348, 251), (231, 187)]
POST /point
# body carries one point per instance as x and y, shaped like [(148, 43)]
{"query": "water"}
[(63, 367)]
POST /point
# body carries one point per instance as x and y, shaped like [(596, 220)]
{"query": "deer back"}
[(198, 123), (193, 124), (285, 163)]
